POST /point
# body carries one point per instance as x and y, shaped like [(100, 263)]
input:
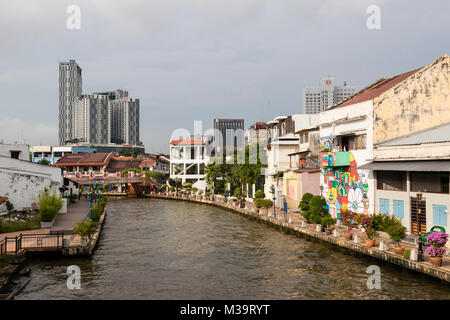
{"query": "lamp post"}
[(419, 224)]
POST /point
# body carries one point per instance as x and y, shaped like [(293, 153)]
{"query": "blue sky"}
[(192, 60)]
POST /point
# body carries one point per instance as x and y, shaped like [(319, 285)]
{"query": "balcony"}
[(334, 159)]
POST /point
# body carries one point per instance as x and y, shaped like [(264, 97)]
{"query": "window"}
[(391, 180), (15, 154), (399, 206), (384, 206), (439, 214), (433, 182)]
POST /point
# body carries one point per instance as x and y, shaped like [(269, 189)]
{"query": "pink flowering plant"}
[(437, 241), (366, 222)]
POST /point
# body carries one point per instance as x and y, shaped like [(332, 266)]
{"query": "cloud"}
[(14, 130)]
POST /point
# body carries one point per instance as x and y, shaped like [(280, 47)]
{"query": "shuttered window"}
[(439, 214), (384, 206), (399, 206)]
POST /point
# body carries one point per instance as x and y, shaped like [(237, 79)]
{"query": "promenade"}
[(64, 223), (294, 222)]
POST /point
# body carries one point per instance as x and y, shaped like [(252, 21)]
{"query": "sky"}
[(190, 60)]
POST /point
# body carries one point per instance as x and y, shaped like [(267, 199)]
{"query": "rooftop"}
[(374, 90), (84, 158), (437, 134), (187, 142)]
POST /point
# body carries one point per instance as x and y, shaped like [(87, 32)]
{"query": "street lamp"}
[(419, 224)]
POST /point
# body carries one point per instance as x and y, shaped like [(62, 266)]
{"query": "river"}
[(165, 249)]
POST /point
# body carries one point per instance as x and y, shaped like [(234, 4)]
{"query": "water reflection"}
[(162, 249)]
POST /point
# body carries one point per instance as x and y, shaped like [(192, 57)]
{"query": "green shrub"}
[(85, 229), (328, 221), (304, 205), (194, 190), (267, 203), (49, 205), (172, 189), (317, 209), (396, 232), (259, 202), (260, 194), (377, 221)]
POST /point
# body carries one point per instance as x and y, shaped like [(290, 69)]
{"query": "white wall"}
[(21, 181), (5, 150)]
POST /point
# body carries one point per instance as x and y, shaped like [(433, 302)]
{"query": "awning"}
[(430, 166)]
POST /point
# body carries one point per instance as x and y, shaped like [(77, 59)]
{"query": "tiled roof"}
[(187, 141), (147, 163), (375, 89), (118, 164), (84, 158)]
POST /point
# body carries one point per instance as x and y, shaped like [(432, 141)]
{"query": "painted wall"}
[(418, 103), (22, 181), (348, 187)]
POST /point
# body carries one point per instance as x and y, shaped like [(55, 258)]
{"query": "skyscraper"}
[(229, 134), (70, 89), (124, 119), (317, 99), (91, 119)]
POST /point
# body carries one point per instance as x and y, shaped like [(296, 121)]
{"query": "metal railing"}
[(21, 242)]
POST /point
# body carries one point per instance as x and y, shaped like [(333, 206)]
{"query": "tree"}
[(44, 162)]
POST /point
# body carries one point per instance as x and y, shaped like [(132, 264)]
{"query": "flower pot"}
[(370, 242), (256, 210), (436, 261), (328, 231), (348, 236), (399, 251)]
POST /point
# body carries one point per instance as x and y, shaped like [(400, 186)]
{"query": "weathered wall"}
[(420, 102), (22, 181)]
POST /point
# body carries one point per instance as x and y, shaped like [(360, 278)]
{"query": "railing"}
[(19, 243)]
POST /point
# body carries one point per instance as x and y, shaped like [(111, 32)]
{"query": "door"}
[(418, 216)]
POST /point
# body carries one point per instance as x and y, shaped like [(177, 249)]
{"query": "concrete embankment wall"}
[(421, 267)]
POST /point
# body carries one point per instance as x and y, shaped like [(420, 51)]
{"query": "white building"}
[(257, 133), (317, 99), (188, 160), (23, 180)]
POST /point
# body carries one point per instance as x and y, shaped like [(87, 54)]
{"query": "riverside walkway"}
[(58, 238), (296, 224)]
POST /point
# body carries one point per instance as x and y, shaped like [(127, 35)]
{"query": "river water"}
[(165, 249)]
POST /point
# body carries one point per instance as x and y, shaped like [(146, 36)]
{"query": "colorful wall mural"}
[(342, 186)]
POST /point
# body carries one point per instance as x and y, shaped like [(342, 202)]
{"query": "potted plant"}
[(49, 206), (369, 230), (407, 254), (257, 200), (436, 249), (397, 232), (85, 230), (327, 222), (350, 221), (266, 204), (172, 190)]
